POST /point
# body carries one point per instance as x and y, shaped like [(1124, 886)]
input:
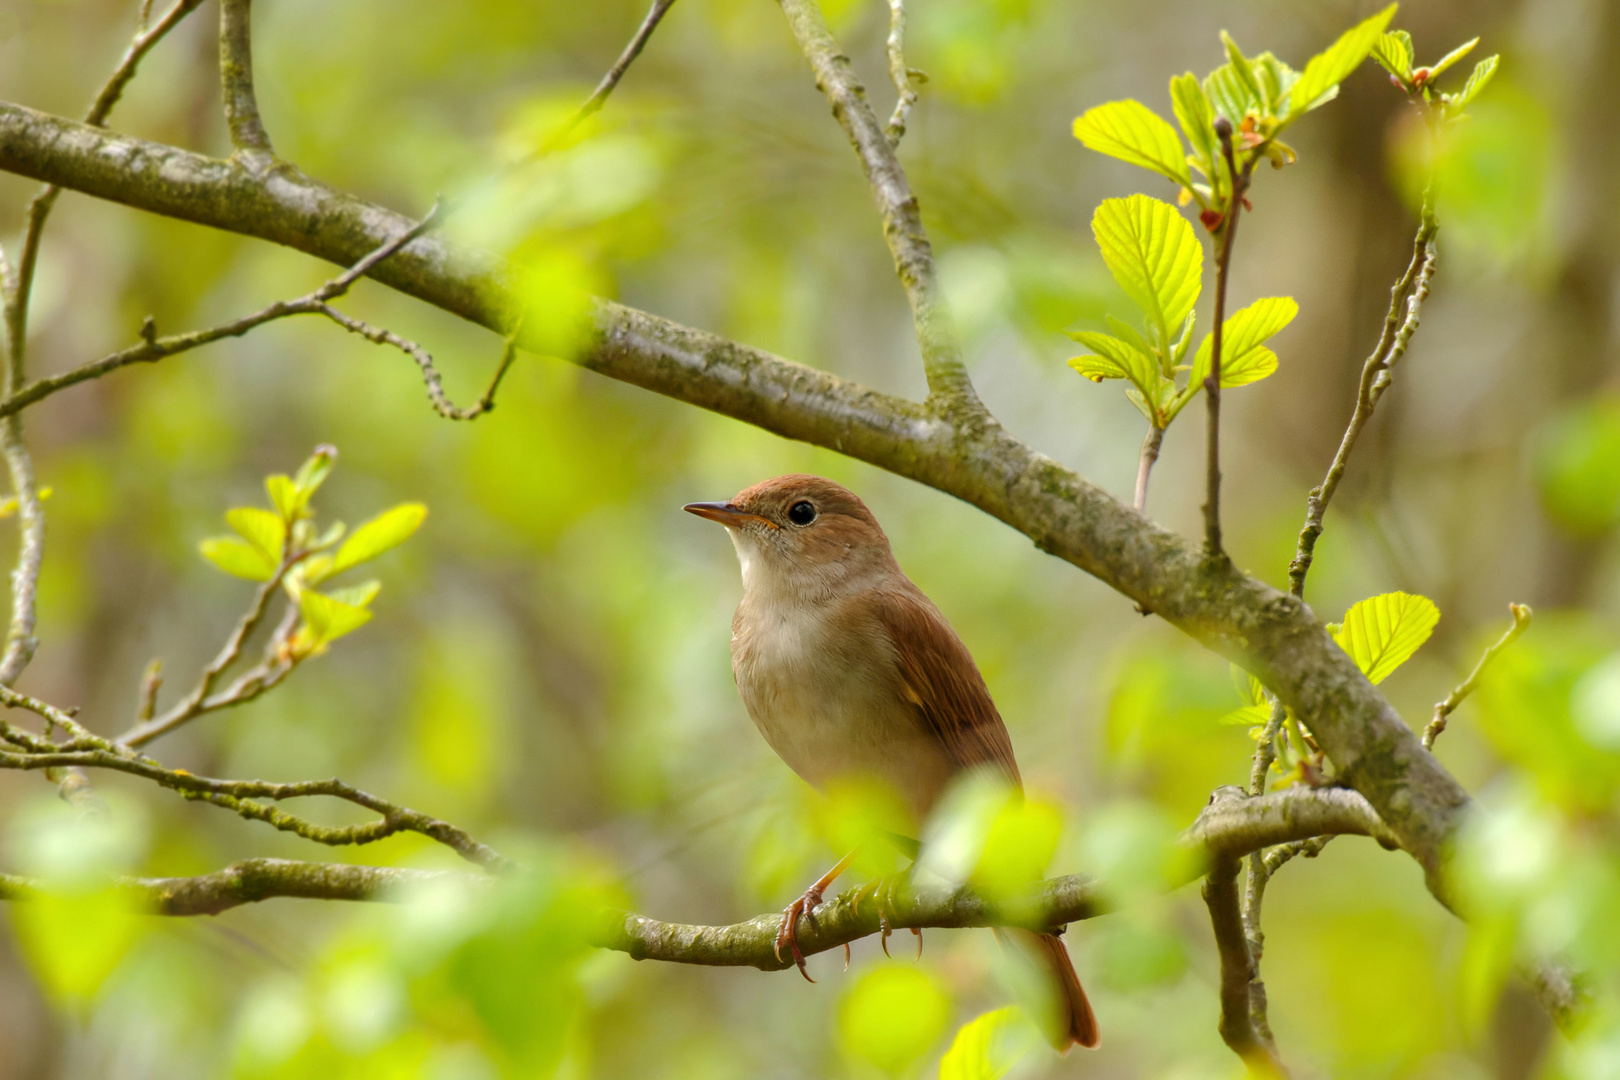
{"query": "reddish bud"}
[(1211, 219)]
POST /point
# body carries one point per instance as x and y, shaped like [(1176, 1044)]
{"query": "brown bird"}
[(849, 671)]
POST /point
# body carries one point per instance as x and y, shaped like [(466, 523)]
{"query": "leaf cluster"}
[(1395, 54), (1259, 96), (1153, 253), (282, 544)]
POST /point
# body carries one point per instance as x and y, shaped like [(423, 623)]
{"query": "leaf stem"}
[(1150, 455)]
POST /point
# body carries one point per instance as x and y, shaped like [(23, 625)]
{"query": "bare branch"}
[(253, 880), (1376, 374), (899, 73), (949, 389), (1212, 382), (1238, 971), (1521, 622), (236, 80)]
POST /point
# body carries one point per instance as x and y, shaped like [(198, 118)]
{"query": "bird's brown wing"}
[(941, 680)]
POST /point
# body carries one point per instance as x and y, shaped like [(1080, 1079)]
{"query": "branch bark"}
[(1272, 633)]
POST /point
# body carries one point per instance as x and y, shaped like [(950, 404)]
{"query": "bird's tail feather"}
[(1075, 1022)]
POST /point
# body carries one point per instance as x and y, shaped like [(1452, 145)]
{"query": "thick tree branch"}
[(1272, 633), (949, 389), (1238, 973), (253, 880)]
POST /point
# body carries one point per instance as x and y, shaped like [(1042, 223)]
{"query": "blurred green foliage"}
[(550, 669)]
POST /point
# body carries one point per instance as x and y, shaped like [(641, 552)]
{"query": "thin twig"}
[(1521, 622), (899, 73), (610, 81), (153, 348), (1144, 465), (1411, 290), (1212, 382), (248, 136)]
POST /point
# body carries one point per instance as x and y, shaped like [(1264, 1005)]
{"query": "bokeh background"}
[(549, 666)]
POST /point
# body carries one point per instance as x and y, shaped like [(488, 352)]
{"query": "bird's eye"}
[(801, 513)]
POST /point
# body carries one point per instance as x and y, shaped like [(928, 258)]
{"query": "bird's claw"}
[(788, 932), (882, 893)]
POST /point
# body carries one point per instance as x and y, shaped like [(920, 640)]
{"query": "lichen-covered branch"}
[(949, 389), (1274, 634), (1227, 829), (1238, 973), (236, 81), (899, 73), (254, 880)]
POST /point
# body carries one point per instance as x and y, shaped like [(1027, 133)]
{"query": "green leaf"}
[(312, 473), (1229, 96), (261, 528), (359, 596), (1276, 79), (1478, 80), (1244, 357), (1394, 51), (1197, 119), (1128, 333), (238, 557), (1153, 254), (1247, 716), (1135, 133), (329, 619), (387, 530), (1248, 687), (1381, 632), (1242, 70), (284, 496), (1452, 57), (1116, 359), (1329, 68), (987, 1047)]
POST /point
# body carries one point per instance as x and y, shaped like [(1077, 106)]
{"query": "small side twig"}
[(1212, 382), (900, 74), (248, 136), (1442, 710), (610, 81), (1410, 290), (1144, 465)]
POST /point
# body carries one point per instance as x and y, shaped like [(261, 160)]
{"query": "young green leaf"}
[(1478, 80), (284, 496), (1381, 632), (1247, 716), (1452, 57), (1197, 120), (238, 558), (1135, 133), (261, 528), (1394, 52), (989, 1046), (312, 473), (1242, 69), (1116, 359), (1248, 687), (329, 619), (1153, 254), (1244, 358), (1128, 333), (1228, 95), (1329, 68), (1276, 80), (387, 530), (359, 596)]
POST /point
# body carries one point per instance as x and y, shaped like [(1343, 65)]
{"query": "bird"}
[(850, 672)]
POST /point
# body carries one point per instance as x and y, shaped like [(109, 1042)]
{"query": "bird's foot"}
[(882, 892), (788, 933)]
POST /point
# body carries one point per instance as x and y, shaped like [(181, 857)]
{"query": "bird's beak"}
[(725, 513)]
